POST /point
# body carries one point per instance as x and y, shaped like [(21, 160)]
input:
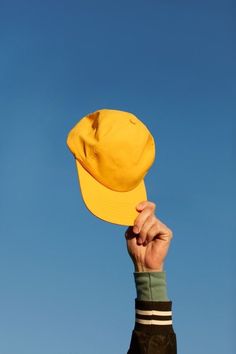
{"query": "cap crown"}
[(114, 146)]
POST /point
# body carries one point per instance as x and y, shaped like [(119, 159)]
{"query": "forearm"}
[(151, 286)]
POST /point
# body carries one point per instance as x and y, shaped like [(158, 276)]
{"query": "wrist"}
[(139, 267)]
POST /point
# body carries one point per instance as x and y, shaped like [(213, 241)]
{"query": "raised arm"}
[(148, 242)]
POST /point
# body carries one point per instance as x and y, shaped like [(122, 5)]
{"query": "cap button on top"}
[(132, 121)]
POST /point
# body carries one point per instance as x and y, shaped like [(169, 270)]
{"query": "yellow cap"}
[(113, 151)]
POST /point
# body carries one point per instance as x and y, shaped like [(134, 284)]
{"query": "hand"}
[(148, 240)]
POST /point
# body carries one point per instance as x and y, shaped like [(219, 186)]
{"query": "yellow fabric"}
[(113, 151)]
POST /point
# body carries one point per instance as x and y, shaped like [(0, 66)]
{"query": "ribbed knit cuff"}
[(151, 286), (153, 316)]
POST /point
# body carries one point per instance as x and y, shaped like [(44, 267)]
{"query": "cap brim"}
[(106, 204)]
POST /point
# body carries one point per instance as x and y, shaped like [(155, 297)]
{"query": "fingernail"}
[(135, 229)]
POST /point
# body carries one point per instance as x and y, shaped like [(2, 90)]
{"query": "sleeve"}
[(153, 331)]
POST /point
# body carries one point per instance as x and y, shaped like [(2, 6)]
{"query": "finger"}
[(141, 218), (146, 203), (165, 233), (161, 243), (139, 208), (145, 209), (152, 234), (144, 234), (158, 232)]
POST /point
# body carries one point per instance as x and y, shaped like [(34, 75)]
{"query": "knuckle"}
[(154, 219), (142, 233), (153, 205), (151, 219), (150, 235), (170, 233)]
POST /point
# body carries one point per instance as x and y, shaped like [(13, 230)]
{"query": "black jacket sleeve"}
[(153, 332)]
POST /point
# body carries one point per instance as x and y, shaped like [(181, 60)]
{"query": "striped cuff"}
[(153, 316)]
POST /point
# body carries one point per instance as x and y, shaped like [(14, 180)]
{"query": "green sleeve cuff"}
[(151, 286)]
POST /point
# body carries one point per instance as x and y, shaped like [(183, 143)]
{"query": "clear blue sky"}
[(66, 279)]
